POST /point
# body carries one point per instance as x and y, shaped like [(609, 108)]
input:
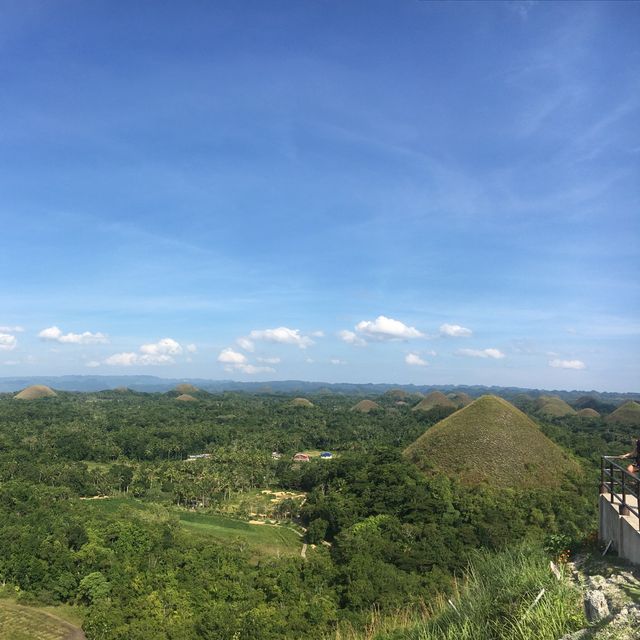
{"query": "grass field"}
[(259, 539), (263, 539), (18, 622)]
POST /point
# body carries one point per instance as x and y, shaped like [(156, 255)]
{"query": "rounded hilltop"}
[(588, 412), (366, 406), (433, 400), (627, 414), (301, 402), (460, 398), (185, 397), (553, 407), (491, 442), (185, 388), (35, 392)]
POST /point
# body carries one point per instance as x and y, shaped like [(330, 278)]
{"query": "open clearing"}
[(18, 622), (264, 540), (268, 539)]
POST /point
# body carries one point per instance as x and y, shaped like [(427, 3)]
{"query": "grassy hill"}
[(588, 412), (365, 406), (433, 400), (460, 399), (628, 414), (185, 397), (491, 442), (36, 391), (18, 622), (301, 402), (553, 407), (185, 388)]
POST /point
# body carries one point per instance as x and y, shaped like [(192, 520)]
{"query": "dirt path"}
[(303, 552)]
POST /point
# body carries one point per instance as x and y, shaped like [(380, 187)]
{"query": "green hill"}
[(554, 407), (35, 392), (185, 397), (301, 402), (460, 399), (365, 406), (491, 442), (588, 413), (433, 400), (628, 414)]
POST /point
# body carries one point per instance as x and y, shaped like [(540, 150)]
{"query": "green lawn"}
[(259, 539), (263, 539), (18, 622)]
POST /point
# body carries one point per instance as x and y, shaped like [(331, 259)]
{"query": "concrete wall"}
[(621, 530)]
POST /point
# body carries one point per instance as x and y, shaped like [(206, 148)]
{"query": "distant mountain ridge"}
[(149, 383)]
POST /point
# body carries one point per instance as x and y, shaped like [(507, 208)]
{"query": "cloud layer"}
[(56, 335), (496, 354), (567, 364), (454, 331)]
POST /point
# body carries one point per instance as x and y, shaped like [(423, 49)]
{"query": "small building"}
[(301, 457), (326, 455), (198, 456), (276, 455)]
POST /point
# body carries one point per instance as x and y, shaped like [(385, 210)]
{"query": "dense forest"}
[(102, 508)]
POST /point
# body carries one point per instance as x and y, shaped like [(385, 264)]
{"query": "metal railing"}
[(620, 484)]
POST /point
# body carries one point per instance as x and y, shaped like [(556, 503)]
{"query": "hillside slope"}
[(491, 442)]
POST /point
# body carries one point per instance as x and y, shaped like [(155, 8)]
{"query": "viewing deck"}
[(619, 509)]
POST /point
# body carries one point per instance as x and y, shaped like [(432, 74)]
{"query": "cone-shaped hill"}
[(460, 399), (365, 406), (433, 400), (491, 442), (185, 397), (588, 413), (185, 388), (627, 414), (553, 407), (35, 392), (397, 394), (301, 402)]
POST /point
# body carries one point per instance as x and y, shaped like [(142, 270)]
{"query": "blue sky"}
[(384, 191)]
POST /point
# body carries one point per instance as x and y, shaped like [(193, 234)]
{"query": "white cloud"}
[(282, 335), (55, 333), (16, 329), (318, 334), (269, 360), (191, 348), (246, 344), (454, 331), (92, 364), (481, 353), (151, 354), (337, 361), (252, 369), (415, 360), (351, 338), (229, 356), (7, 342), (122, 359), (383, 328), (166, 346), (567, 364)]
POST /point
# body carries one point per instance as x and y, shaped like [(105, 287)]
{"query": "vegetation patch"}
[(18, 622)]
